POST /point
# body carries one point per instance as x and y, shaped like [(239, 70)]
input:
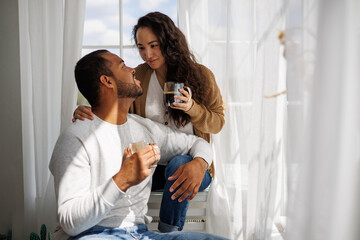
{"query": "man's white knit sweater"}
[(89, 153)]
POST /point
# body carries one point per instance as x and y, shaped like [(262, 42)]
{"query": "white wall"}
[(11, 167)]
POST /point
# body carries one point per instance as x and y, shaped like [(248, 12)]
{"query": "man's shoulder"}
[(78, 128), (69, 141), (134, 118), (146, 123)]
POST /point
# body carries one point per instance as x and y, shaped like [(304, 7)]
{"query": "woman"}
[(167, 57)]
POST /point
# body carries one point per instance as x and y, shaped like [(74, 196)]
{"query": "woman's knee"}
[(175, 163)]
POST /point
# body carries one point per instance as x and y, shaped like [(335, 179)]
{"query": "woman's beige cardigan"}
[(205, 119)]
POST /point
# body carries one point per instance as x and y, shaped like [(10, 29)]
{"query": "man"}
[(101, 188)]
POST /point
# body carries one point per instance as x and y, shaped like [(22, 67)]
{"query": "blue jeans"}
[(139, 232), (173, 212)]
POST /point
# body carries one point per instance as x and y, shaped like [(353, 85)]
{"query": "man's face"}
[(127, 85)]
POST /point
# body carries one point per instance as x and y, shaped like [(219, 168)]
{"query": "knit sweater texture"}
[(89, 153)]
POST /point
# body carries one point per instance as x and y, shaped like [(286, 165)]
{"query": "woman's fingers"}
[(186, 96), (186, 99), (83, 112)]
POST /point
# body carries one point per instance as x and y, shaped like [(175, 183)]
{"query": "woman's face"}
[(149, 48)]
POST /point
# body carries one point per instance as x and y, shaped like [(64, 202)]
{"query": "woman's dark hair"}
[(87, 75), (181, 63)]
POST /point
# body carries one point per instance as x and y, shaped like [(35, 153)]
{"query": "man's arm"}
[(79, 206), (191, 174), (173, 143)]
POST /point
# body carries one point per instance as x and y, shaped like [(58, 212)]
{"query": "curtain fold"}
[(325, 192), (49, 32), (238, 41), (72, 42)]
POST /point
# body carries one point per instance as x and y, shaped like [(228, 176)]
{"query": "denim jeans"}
[(173, 212), (139, 232)]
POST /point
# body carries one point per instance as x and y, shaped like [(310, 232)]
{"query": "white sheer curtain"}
[(324, 195), (238, 41), (50, 44)]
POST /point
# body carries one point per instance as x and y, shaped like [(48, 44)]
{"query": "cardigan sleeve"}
[(209, 118)]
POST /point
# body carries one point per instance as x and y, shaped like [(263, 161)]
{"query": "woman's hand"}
[(82, 112), (187, 100)]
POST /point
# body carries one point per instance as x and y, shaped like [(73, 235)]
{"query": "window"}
[(108, 25)]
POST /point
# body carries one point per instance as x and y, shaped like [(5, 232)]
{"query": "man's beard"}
[(128, 90)]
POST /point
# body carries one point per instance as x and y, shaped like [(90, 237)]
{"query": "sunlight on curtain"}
[(238, 41), (50, 44), (324, 195), (300, 54)]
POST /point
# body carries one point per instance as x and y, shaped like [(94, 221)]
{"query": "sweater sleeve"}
[(173, 142), (209, 118), (79, 206)]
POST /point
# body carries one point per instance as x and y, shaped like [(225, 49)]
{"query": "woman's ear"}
[(106, 81)]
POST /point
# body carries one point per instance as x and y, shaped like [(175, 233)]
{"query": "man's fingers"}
[(127, 153), (177, 183), (195, 191), (149, 155), (176, 174), (183, 191)]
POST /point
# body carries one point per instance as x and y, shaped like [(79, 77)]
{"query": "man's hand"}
[(189, 176), (135, 168)]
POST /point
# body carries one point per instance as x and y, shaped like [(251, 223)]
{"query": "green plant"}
[(43, 232), (34, 236), (6, 237)]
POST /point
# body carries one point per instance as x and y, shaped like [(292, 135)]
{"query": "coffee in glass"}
[(171, 89)]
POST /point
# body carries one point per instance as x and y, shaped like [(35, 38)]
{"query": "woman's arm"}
[(209, 118)]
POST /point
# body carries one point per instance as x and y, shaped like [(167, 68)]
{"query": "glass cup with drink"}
[(170, 90), (136, 146)]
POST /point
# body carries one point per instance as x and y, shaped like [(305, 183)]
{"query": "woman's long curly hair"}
[(181, 63)]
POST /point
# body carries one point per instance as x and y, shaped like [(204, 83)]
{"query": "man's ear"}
[(106, 81)]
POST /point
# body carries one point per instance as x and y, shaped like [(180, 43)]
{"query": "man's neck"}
[(114, 113)]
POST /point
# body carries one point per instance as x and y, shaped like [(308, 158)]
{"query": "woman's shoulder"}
[(143, 73), (199, 65), (142, 68), (205, 70)]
